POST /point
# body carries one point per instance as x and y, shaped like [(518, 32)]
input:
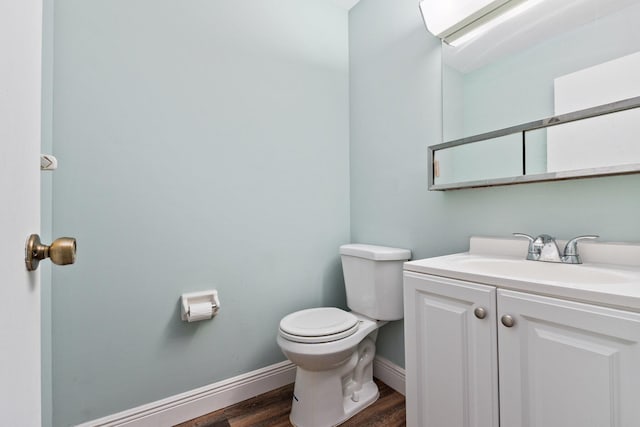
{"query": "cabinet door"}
[(567, 364), (451, 359)]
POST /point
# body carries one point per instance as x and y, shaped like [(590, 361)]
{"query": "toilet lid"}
[(317, 325)]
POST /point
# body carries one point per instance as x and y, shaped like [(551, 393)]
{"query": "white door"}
[(451, 360), (20, 80), (567, 364)]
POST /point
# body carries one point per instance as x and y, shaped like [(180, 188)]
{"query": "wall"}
[(201, 145), (396, 113), (208, 146)]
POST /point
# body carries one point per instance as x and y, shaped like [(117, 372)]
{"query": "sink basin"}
[(543, 271), (610, 275)]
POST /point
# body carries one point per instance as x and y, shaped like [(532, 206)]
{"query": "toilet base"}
[(334, 380), (319, 400), (367, 396)]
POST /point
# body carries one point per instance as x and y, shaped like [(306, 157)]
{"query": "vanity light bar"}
[(474, 25)]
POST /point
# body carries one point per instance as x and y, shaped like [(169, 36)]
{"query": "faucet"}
[(544, 248)]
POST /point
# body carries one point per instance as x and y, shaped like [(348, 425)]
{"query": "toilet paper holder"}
[(204, 297)]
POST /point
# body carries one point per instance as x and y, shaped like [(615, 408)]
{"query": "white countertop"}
[(501, 263)]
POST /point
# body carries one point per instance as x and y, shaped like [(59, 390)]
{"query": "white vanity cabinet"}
[(567, 364), (559, 363), (450, 354)]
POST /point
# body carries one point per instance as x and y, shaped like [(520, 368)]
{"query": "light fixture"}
[(457, 22)]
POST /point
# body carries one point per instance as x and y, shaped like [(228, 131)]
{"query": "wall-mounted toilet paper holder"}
[(199, 305)]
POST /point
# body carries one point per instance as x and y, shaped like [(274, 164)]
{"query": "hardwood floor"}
[(272, 410)]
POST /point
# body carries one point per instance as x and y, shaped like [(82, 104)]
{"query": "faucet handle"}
[(571, 248), (526, 236), (532, 252), (571, 255)]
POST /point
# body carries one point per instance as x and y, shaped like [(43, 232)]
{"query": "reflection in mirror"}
[(602, 141), (489, 159), (535, 146), (502, 80), (570, 55), (599, 142)]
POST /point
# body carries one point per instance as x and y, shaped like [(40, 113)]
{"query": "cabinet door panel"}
[(567, 364), (450, 353)]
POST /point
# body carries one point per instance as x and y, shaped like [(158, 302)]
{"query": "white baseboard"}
[(389, 373), (195, 403)]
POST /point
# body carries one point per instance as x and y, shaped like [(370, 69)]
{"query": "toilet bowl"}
[(334, 349)]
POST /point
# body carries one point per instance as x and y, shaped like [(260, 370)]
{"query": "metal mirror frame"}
[(585, 114)]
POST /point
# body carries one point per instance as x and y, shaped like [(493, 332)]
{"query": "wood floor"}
[(272, 410)]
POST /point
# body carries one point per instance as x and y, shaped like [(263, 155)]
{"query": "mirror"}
[(543, 96)]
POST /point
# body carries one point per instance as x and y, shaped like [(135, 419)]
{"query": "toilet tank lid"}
[(376, 253)]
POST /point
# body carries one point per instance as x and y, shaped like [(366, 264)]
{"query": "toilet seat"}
[(318, 325)]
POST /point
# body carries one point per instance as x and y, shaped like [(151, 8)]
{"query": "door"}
[(567, 364), (20, 80), (450, 339)]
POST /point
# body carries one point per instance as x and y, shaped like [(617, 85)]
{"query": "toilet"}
[(334, 349)]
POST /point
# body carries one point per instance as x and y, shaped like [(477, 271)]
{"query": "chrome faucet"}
[(544, 248)]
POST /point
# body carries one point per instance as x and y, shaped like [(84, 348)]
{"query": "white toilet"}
[(334, 349)]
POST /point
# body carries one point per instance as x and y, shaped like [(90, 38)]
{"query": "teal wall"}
[(202, 144), (396, 113), (235, 145)]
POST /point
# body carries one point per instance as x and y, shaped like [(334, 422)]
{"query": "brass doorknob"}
[(62, 251)]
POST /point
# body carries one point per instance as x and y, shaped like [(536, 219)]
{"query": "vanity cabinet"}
[(451, 354), (558, 363)]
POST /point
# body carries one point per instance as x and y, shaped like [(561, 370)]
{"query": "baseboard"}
[(389, 373), (195, 403)]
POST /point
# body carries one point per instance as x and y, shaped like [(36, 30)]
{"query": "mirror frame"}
[(585, 114)]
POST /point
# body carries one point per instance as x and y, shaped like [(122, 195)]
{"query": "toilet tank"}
[(373, 280)]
